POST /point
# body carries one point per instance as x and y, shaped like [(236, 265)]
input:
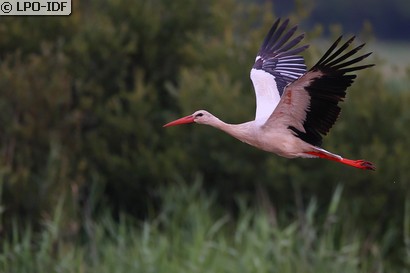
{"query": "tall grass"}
[(191, 234)]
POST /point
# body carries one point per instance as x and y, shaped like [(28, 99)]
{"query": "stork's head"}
[(200, 116)]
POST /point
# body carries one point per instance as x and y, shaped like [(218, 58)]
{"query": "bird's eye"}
[(199, 115)]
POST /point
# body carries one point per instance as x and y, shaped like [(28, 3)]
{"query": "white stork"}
[(294, 107)]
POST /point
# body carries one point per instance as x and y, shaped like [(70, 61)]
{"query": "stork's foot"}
[(360, 164)]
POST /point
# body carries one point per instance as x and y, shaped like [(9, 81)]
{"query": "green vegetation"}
[(83, 153), (191, 234)]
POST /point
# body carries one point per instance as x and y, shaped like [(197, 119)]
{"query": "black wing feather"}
[(278, 55), (332, 47), (327, 90), (284, 39)]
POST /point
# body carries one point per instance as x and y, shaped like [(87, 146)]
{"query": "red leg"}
[(361, 164)]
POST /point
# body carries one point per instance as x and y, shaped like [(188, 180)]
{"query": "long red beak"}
[(184, 120)]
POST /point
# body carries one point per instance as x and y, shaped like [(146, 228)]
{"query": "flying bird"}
[(295, 108)]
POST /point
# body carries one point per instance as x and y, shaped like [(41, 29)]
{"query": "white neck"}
[(242, 131)]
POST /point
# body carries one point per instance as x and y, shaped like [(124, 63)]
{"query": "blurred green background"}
[(91, 182)]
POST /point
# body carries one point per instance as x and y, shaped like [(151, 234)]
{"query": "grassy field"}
[(192, 235)]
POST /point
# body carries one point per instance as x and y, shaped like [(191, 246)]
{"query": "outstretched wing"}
[(309, 105), (276, 65)]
